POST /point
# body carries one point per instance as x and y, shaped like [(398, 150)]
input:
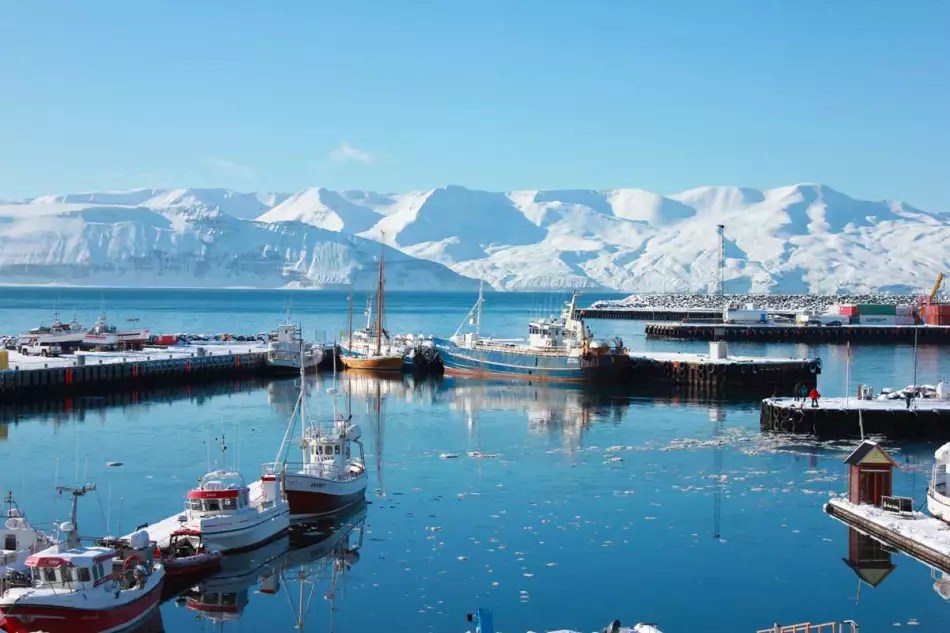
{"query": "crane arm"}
[(936, 289)]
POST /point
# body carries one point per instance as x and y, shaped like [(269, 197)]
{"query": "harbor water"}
[(555, 506)]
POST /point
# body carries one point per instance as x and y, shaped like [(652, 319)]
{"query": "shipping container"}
[(835, 309), (166, 339), (875, 309), (823, 319), (878, 319), (849, 310), (904, 310), (905, 320), (730, 315)]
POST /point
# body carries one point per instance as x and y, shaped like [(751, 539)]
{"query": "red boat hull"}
[(319, 504), (27, 618)]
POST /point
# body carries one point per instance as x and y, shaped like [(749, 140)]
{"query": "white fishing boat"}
[(72, 588), (284, 352), (938, 496), (332, 472), (105, 335), (19, 539), (66, 335)]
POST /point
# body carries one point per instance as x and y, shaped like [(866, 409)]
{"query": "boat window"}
[(245, 497), (228, 599), (99, 569), (84, 574), (96, 573), (195, 504), (9, 542), (211, 598), (229, 504), (49, 574), (336, 449), (212, 505)]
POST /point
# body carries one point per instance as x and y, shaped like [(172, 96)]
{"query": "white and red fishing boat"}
[(19, 539), (104, 334), (77, 589), (228, 514), (186, 553), (332, 472)]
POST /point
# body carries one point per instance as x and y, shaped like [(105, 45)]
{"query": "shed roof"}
[(865, 452)]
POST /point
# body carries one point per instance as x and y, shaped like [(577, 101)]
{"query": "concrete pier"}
[(839, 417), (884, 334)]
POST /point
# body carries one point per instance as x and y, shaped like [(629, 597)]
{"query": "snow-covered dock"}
[(774, 333), (844, 417), (921, 536), (32, 376)]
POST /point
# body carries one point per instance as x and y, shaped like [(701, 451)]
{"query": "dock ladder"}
[(846, 626)]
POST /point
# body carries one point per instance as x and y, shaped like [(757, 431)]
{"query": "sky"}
[(495, 95)]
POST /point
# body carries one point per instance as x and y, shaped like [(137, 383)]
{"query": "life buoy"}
[(548, 343), (813, 367), (129, 562)]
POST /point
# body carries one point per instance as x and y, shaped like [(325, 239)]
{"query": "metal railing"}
[(845, 626)]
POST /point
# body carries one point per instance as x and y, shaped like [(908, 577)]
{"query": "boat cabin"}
[(17, 534), (869, 476), (218, 493), (219, 606), (64, 569)]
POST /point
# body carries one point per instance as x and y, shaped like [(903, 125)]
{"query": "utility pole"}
[(722, 261)]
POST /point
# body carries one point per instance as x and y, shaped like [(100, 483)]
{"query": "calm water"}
[(590, 505)]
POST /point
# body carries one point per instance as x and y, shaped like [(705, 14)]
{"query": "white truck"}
[(38, 348)]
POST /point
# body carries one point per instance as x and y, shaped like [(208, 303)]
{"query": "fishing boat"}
[(66, 335), (332, 472), (370, 348), (284, 351), (19, 539), (77, 589), (557, 349), (105, 335)]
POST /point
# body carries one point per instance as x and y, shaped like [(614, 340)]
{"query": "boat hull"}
[(247, 532), (26, 617), (523, 366), (312, 496), (371, 363)]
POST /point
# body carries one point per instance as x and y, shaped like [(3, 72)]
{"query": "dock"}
[(782, 333), (701, 372), (842, 417), (29, 376), (919, 535)]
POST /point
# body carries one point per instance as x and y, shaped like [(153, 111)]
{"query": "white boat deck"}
[(854, 404), (20, 361), (161, 531), (921, 528), (684, 357)]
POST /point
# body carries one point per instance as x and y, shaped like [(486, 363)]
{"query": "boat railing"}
[(938, 480), (344, 474)]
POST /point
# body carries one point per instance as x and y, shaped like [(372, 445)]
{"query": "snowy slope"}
[(799, 238), (193, 245)]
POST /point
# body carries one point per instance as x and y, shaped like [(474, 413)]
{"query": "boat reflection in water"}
[(312, 553)]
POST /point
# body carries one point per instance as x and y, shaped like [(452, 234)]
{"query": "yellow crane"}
[(936, 289)]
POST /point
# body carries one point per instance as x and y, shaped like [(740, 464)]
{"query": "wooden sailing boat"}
[(372, 354)]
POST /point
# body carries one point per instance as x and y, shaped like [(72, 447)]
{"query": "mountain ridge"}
[(807, 237)]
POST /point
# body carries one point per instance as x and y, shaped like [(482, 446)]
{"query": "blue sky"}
[(494, 95)]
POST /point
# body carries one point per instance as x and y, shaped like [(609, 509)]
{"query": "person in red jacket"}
[(814, 395)]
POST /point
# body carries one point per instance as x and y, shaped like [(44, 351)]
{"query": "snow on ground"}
[(854, 404), (684, 357), (929, 532), (20, 361), (794, 239), (776, 302)]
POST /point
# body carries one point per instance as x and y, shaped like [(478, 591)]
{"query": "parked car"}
[(37, 348)]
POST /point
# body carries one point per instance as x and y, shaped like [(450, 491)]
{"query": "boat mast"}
[(478, 307), (72, 536), (379, 302), (349, 323)]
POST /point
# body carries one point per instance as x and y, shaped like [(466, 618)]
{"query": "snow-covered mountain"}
[(80, 241), (800, 238)]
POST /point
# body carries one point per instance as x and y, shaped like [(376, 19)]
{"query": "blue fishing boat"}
[(557, 349)]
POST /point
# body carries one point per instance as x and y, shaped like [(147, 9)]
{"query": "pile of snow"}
[(817, 304), (798, 239)]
